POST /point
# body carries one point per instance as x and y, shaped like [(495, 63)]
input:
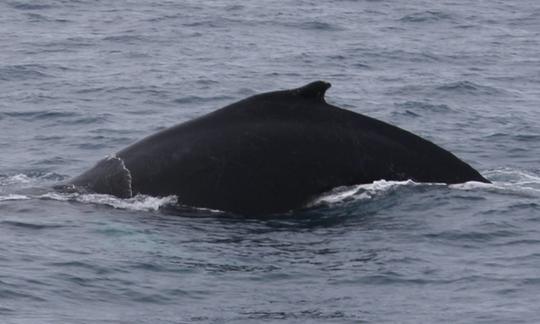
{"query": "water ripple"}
[(425, 16), (467, 87), (29, 6), (22, 72), (31, 226)]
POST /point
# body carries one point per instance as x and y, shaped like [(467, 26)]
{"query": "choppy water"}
[(82, 79)]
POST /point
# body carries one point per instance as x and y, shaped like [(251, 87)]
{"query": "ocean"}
[(80, 80)]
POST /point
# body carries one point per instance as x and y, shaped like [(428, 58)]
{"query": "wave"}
[(22, 72), (425, 16), (29, 6), (425, 106), (129, 39), (319, 26), (198, 99), (416, 109), (506, 181), (19, 178), (31, 226), (40, 114), (29, 178), (468, 87)]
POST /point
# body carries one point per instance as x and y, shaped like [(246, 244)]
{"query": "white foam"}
[(23, 180), (506, 181), (517, 175), (339, 194), (13, 197), (58, 196), (363, 191), (471, 185), (139, 202), (15, 179)]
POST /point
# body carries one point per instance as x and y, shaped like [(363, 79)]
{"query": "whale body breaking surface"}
[(271, 153)]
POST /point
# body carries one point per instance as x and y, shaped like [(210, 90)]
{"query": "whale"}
[(270, 153)]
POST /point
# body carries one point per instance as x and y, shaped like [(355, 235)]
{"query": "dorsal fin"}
[(314, 90)]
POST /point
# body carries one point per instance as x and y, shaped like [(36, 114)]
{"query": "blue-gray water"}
[(82, 79)]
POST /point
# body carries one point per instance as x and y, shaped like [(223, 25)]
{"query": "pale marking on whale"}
[(123, 165)]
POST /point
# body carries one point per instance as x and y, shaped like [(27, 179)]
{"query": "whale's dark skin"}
[(271, 153)]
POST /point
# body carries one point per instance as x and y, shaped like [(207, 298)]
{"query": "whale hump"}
[(271, 153), (314, 90)]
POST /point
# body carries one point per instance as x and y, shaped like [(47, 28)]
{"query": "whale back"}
[(276, 151)]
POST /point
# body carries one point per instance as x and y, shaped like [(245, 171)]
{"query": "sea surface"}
[(82, 79)]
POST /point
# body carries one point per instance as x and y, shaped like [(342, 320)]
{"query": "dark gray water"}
[(82, 79)]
